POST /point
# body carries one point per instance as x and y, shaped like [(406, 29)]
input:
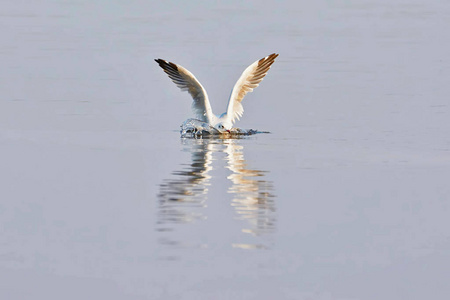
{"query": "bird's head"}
[(223, 127)]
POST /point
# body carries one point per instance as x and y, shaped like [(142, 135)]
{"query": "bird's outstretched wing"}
[(186, 81), (249, 80)]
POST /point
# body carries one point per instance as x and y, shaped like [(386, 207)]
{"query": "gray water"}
[(346, 198)]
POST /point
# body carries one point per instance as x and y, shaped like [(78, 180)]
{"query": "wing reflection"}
[(180, 198), (253, 198), (183, 198)]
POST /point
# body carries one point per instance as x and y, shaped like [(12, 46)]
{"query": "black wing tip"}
[(161, 62), (269, 58), (272, 56), (166, 64)]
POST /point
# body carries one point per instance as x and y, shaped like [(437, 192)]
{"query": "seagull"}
[(201, 107)]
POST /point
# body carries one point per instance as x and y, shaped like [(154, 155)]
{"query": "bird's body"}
[(201, 107)]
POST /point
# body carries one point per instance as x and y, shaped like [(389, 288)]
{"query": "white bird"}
[(201, 107)]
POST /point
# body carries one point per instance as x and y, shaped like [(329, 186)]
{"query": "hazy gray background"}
[(348, 198)]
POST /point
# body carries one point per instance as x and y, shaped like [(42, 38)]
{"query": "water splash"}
[(193, 128)]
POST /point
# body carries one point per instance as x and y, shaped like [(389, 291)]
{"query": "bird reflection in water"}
[(183, 199), (180, 198), (253, 199)]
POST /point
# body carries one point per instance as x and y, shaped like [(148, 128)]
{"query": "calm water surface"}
[(346, 198)]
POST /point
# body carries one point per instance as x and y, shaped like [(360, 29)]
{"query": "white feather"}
[(248, 81), (186, 81), (201, 107)]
